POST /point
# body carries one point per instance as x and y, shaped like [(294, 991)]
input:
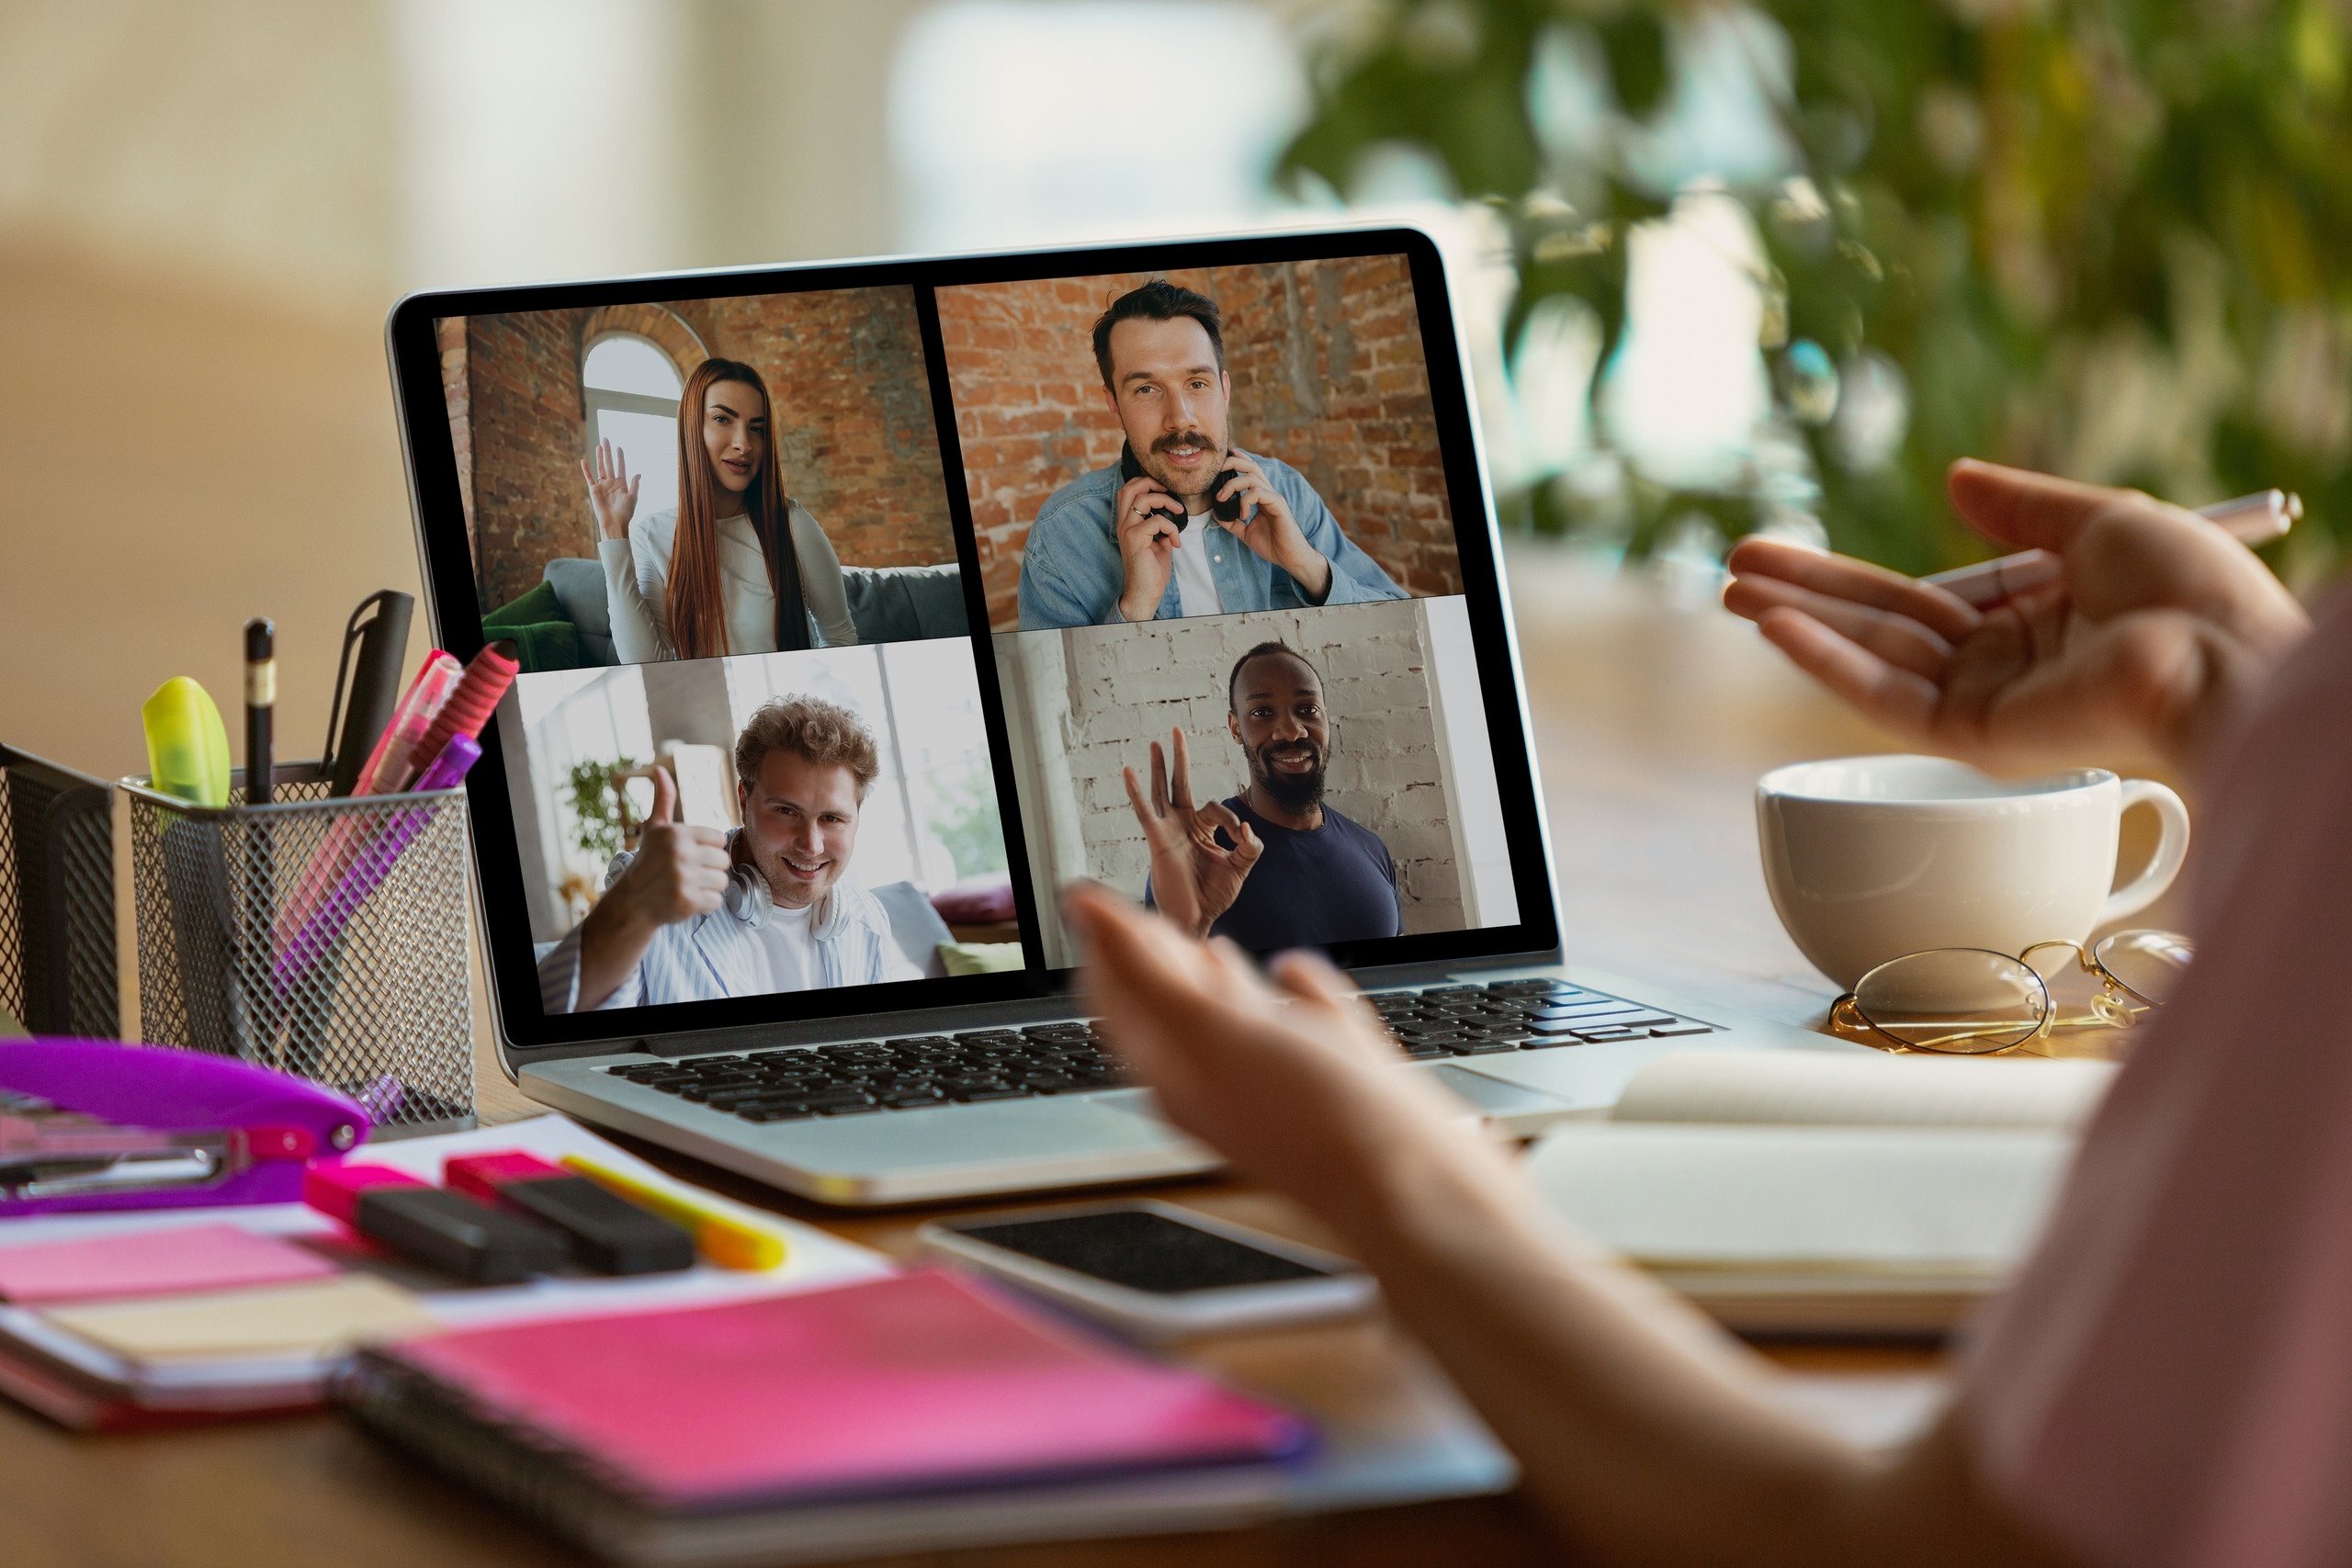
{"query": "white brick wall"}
[(1127, 686)]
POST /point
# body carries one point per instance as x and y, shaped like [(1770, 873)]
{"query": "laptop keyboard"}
[(795, 1082), (1517, 1015)]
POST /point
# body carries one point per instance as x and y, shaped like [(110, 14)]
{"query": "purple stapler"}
[(97, 1125)]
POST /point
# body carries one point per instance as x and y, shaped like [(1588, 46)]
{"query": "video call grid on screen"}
[(938, 432)]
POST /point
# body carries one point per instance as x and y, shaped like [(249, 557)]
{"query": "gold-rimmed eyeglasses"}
[(1971, 1001)]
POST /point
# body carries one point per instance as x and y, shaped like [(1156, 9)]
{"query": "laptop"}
[(861, 607)]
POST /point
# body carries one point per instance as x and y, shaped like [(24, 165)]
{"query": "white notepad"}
[(1803, 1190)]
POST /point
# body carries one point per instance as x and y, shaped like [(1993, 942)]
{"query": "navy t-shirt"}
[(1312, 889)]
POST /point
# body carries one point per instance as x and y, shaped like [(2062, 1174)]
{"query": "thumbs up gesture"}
[(680, 871)]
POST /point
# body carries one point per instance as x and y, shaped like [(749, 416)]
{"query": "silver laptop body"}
[(953, 1087)]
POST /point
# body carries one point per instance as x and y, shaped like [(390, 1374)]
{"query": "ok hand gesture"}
[(611, 490), (1193, 878)]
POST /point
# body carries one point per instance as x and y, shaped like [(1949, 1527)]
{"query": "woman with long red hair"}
[(738, 567)]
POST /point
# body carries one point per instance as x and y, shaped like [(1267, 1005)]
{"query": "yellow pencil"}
[(729, 1243)]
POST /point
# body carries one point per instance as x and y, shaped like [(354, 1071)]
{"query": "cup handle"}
[(2172, 849)]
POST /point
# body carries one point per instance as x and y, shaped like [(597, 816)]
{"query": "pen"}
[(371, 860), (388, 771), (373, 677), (2253, 519), (261, 705), (727, 1242)]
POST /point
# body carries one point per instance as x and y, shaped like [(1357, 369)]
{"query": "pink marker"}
[(393, 765), (390, 767), (469, 704), (2253, 519)]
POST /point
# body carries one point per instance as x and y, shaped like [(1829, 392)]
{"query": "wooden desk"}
[(1652, 722), (276, 487)]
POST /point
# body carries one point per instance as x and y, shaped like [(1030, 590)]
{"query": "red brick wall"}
[(530, 506), (449, 338), (1328, 376), (852, 420)]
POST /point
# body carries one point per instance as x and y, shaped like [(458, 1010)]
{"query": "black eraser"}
[(455, 1234), (608, 1233)]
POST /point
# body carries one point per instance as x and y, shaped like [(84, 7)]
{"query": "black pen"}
[(261, 702)]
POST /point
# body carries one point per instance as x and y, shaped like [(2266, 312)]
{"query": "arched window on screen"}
[(629, 388)]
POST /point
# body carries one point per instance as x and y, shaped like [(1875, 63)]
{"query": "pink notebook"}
[(923, 1381), (153, 1263)]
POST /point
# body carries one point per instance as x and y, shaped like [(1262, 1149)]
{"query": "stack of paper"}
[(137, 1319), (1813, 1192)]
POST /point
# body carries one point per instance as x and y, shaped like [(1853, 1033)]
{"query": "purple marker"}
[(326, 923)]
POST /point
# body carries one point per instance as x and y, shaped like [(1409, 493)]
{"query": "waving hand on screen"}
[(611, 490)]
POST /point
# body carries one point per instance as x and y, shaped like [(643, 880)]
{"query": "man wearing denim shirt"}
[(1107, 550)]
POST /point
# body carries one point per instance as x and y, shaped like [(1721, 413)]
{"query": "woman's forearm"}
[(821, 589), (1644, 1432), (636, 636)]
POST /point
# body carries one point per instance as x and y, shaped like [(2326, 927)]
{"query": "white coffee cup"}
[(1869, 858)]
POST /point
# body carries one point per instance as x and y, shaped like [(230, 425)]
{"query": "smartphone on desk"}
[(1155, 1271)]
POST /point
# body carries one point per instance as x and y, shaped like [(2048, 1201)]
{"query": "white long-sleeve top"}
[(637, 582)]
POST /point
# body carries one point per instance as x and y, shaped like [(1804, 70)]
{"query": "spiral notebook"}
[(918, 1410)]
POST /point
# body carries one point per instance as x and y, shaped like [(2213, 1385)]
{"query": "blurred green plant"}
[(595, 806), (2105, 238), (963, 817)]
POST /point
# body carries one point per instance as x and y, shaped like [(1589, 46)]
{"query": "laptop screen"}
[(862, 609)]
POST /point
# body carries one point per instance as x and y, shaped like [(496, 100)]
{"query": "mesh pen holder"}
[(57, 933), (324, 937)]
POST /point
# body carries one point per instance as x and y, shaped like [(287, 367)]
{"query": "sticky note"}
[(282, 1320), (170, 1262)]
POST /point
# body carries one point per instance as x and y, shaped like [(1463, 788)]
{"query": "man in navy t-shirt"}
[(1273, 867)]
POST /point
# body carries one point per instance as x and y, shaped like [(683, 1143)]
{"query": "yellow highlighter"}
[(187, 746), (727, 1242)]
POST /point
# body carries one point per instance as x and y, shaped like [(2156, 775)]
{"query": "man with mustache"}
[(1273, 867), (1138, 541), (696, 914)]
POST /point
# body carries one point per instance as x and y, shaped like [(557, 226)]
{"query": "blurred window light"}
[(541, 138), (1733, 71), (1570, 103), (1026, 122), (629, 388), (1686, 390), (1399, 174), (1559, 346), (1872, 415)]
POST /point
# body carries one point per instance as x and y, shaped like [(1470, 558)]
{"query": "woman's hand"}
[(2161, 631), (1296, 1081), (1642, 1432), (611, 490)]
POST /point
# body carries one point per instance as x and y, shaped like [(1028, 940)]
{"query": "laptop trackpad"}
[(1492, 1096)]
